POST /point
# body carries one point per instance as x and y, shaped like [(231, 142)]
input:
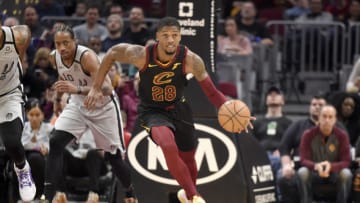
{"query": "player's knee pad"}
[(59, 139)]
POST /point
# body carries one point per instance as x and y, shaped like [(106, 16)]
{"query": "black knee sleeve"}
[(10, 133), (54, 165), (119, 167)]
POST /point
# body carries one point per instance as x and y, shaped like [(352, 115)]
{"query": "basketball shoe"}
[(198, 199), (92, 198), (60, 197), (27, 187), (181, 195)]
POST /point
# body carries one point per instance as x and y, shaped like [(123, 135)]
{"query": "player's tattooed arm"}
[(125, 53), (196, 66)]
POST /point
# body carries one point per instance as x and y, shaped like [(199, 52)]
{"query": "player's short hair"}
[(65, 28), (168, 21)]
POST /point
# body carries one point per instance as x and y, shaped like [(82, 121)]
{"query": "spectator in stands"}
[(80, 10), (94, 43), (348, 107), (353, 14), (130, 102), (270, 128), (353, 83), (325, 156), (233, 42), (248, 23), (116, 9), (40, 75), (316, 14), (91, 27), (154, 9), (35, 138), (49, 8), (11, 21), (115, 76), (31, 19), (114, 26), (47, 104), (137, 32), (356, 181), (286, 179), (299, 8), (339, 9)]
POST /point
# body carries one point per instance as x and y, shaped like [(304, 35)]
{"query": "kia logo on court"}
[(215, 156)]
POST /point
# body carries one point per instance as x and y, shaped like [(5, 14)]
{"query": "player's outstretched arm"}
[(196, 66), (123, 53)]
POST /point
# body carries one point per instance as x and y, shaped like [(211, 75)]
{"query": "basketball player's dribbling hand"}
[(250, 125), (92, 98)]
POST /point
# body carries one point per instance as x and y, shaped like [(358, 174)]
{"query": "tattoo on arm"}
[(198, 67), (135, 53)]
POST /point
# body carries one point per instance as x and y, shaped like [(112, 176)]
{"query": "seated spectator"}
[(91, 27), (115, 8), (115, 76), (154, 9), (348, 107), (270, 128), (356, 181), (94, 44), (130, 102), (316, 14), (289, 150), (233, 42), (300, 7), (80, 9), (325, 157), (32, 20), (339, 9), (40, 75), (137, 32), (35, 139), (248, 23), (114, 26), (49, 8)]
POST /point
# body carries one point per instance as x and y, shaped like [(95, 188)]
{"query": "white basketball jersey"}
[(10, 66), (75, 73)]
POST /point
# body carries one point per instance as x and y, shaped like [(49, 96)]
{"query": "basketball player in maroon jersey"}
[(163, 110)]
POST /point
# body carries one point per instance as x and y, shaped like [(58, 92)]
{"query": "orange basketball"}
[(234, 116)]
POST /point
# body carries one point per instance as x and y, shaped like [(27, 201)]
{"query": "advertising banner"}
[(232, 168)]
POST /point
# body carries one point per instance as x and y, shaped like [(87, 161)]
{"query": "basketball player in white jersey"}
[(77, 66), (13, 44)]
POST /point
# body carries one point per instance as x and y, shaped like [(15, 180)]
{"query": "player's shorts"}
[(179, 119), (105, 124), (12, 106)]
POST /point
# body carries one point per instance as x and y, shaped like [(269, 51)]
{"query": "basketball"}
[(234, 116)]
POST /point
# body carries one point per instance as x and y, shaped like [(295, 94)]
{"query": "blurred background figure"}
[(233, 42), (91, 27)]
